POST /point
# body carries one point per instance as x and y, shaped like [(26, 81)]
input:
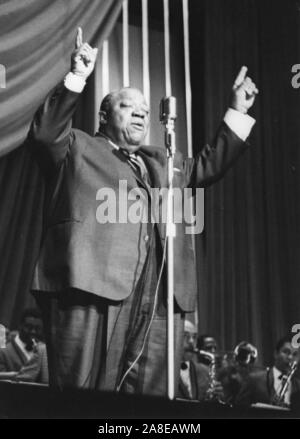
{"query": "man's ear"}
[(102, 117)]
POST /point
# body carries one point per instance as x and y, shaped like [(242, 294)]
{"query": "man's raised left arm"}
[(229, 142)]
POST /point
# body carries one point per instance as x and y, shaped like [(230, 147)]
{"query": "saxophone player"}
[(274, 385), (196, 380), (24, 357)]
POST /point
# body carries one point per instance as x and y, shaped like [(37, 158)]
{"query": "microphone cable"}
[(151, 319)]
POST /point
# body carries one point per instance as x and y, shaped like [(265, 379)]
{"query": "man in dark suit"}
[(24, 357), (235, 370), (265, 386), (195, 378), (100, 275)]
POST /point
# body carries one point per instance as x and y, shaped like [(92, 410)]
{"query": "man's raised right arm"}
[(50, 130)]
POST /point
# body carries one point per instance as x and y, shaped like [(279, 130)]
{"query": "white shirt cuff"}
[(74, 82), (241, 124)]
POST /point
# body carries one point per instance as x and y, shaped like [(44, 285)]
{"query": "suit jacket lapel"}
[(19, 352), (155, 160), (183, 390), (124, 168), (194, 383), (270, 384), (295, 382)]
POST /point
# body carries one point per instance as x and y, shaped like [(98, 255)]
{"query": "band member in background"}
[(266, 386), (236, 369), (207, 342), (195, 378), (24, 357)]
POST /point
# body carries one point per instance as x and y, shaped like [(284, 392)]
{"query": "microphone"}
[(167, 109), (167, 116)]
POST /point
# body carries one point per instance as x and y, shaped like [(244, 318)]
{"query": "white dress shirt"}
[(278, 383), (186, 377)]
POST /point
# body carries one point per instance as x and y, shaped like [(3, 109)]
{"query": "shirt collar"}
[(117, 147), (277, 374), (108, 139)]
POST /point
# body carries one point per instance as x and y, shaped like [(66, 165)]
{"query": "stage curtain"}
[(37, 38), (248, 256)]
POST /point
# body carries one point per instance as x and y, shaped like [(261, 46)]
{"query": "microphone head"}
[(167, 109)]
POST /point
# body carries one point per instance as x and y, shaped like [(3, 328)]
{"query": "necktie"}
[(138, 165), (134, 161)]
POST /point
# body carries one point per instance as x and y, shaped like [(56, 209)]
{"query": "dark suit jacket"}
[(107, 259), (199, 376), (12, 359), (260, 388)]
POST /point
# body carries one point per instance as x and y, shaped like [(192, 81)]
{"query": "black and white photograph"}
[(150, 212)]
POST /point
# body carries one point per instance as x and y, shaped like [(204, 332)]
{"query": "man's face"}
[(32, 328), (284, 357), (127, 121), (189, 344), (210, 345)]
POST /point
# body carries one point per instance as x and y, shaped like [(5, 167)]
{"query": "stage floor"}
[(31, 401)]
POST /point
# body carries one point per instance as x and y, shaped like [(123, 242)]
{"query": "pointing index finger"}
[(78, 42), (241, 76)]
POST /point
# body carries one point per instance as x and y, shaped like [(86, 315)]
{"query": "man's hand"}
[(243, 92), (83, 58)]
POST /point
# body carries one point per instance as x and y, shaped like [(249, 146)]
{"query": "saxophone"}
[(211, 394), (278, 399)]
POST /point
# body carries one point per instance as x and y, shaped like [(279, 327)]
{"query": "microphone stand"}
[(167, 117)]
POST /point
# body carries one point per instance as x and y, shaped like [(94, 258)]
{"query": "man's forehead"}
[(132, 94), (189, 327), (209, 340), (288, 347)]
